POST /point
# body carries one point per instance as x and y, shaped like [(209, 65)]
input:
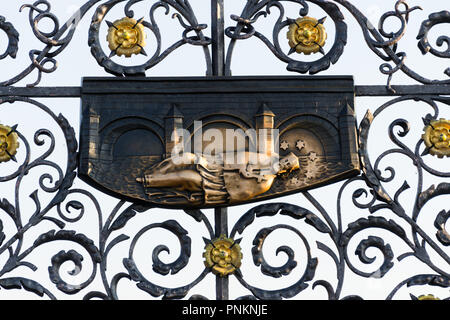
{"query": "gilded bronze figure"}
[(216, 182)]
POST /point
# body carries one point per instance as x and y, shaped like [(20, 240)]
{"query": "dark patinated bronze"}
[(128, 130)]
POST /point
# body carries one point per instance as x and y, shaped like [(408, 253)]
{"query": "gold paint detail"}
[(428, 297), (126, 37), (223, 255), (437, 137), (8, 143), (306, 35)]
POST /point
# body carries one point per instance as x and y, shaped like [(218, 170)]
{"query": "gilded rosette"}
[(307, 35), (223, 256), (126, 37), (8, 143), (437, 137)]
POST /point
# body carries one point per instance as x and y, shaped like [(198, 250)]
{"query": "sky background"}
[(251, 57)]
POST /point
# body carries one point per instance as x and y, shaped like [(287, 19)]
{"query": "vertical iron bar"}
[(218, 37), (221, 227), (218, 64), (221, 220)]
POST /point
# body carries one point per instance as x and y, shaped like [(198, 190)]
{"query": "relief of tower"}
[(264, 129), (173, 125)]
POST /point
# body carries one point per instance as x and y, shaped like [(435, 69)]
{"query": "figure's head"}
[(289, 163)]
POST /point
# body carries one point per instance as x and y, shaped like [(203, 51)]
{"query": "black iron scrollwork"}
[(52, 39), (56, 41), (368, 193), (294, 212), (383, 43), (424, 45), (380, 41), (416, 239), (59, 189), (13, 38), (375, 181), (254, 9), (183, 9)]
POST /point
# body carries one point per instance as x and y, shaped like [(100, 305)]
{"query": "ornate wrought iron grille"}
[(376, 209)]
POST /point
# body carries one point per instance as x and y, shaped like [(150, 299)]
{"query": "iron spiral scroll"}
[(383, 43), (366, 208)]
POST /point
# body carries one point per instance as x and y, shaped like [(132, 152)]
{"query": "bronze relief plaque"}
[(205, 142)]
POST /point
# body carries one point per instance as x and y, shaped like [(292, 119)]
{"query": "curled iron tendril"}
[(186, 17)]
